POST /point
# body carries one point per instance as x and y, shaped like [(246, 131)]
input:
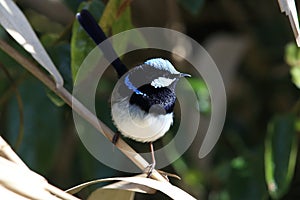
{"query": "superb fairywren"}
[(143, 99)]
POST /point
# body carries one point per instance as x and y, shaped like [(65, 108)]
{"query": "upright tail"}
[(90, 25)]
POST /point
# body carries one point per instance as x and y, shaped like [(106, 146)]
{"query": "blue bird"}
[(143, 99)]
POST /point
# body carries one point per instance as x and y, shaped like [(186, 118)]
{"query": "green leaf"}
[(291, 54), (193, 6), (54, 98), (73, 5), (81, 43), (280, 154), (116, 18), (292, 58), (295, 73), (243, 175), (122, 22), (203, 95), (115, 14), (239, 163)]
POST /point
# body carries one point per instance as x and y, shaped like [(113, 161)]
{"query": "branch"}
[(136, 158)]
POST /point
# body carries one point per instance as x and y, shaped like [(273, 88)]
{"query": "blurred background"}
[(251, 42)]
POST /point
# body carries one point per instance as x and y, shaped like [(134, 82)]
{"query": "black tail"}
[(89, 24)]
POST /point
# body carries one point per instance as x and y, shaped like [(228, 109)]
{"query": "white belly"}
[(138, 125)]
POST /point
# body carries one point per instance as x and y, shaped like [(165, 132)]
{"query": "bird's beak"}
[(184, 75)]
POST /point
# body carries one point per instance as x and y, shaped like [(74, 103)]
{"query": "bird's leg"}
[(115, 138), (152, 165)]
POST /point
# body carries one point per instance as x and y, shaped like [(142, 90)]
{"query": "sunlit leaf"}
[(295, 72), (202, 93), (292, 57), (123, 185), (117, 185), (280, 154), (22, 181), (292, 54), (165, 187), (15, 23)]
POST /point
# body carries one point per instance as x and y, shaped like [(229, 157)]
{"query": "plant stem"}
[(136, 158)]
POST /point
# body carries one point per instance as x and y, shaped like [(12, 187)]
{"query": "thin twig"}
[(136, 158)]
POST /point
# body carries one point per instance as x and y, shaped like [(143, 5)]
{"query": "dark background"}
[(248, 41)]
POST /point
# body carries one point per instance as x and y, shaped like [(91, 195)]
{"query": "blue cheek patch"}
[(131, 86)]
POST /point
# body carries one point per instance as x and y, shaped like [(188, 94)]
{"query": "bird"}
[(143, 99), (143, 102)]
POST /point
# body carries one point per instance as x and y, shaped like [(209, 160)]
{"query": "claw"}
[(151, 167), (115, 138)]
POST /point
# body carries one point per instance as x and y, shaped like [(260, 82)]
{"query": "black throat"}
[(154, 100)]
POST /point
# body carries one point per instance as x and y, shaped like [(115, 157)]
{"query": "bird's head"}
[(156, 77), (163, 73)]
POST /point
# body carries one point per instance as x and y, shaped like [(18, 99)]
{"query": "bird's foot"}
[(150, 169), (115, 138)]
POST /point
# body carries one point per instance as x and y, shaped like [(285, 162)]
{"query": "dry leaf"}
[(123, 185), (7, 194), (111, 194), (165, 187), (23, 181)]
